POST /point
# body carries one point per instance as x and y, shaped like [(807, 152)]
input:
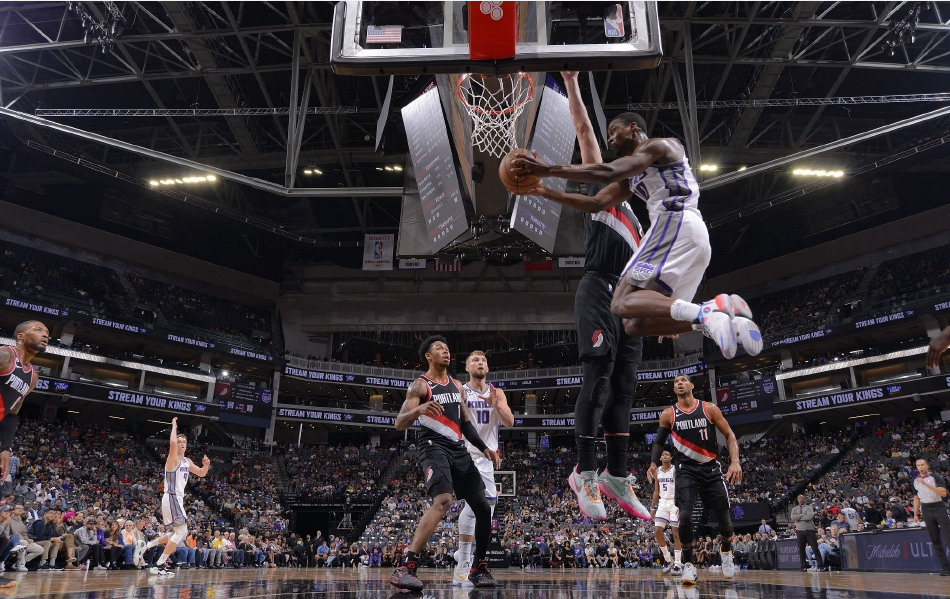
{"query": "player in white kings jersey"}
[(666, 513), (655, 293), (489, 409), (177, 469)]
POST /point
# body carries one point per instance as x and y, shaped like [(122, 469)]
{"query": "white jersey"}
[(667, 188), (175, 480), (666, 479), (852, 517), (485, 417)]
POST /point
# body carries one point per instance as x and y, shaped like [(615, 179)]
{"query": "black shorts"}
[(449, 468), (599, 332), (8, 428), (704, 481)]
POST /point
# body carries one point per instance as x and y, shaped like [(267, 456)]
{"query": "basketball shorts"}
[(8, 428), (673, 256), (704, 481), (173, 511), (599, 332), (448, 468), (667, 513), (487, 470)]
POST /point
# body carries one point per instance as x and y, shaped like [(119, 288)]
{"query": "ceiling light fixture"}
[(807, 172), (709, 167)]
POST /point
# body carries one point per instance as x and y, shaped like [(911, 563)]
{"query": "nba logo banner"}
[(613, 21), (378, 252)]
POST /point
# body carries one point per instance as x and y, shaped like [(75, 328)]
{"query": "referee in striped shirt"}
[(929, 507)]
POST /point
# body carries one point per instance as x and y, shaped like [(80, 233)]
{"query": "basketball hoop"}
[(495, 103)]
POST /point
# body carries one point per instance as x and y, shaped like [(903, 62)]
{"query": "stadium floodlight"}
[(709, 167)]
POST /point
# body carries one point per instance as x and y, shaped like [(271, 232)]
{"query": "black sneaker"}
[(481, 577), (945, 572), (405, 578)]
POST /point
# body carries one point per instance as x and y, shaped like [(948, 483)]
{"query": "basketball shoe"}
[(715, 321), (747, 332), (584, 485), (481, 577), (621, 491), (728, 566), (404, 577), (689, 576), (462, 570)]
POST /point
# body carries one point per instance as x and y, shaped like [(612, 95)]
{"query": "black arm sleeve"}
[(471, 435), (659, 444)]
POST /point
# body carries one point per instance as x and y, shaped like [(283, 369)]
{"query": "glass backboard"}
[(387, 38)]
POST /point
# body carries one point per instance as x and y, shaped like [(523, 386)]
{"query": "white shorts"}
[(673, 256), (667, 513), (487, 470), (173, 511)]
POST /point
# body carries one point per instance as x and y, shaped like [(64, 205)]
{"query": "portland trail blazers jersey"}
[(693, 435), (485, 417), (14, 383), (667, 188), (611, 237), (448, 425)]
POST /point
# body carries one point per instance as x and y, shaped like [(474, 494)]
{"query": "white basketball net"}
[(495, 103)]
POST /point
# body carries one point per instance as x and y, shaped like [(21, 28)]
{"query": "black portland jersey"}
[(693, 435), (610, 237), (14, 383), (448, 425)]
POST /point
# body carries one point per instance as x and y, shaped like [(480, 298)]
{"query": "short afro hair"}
[(626, 118), (427, 344), (23, 327)]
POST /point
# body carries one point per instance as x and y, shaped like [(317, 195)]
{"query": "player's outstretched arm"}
[(734, 473), (608, 197), (171, 462), (590, 149), (646, 154)]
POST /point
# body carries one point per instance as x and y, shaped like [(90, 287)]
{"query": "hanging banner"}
[(378, 252)]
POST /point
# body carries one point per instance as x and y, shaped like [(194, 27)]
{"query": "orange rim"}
[(513, 108)]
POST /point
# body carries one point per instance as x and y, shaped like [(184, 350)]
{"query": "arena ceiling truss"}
[(244, 90)]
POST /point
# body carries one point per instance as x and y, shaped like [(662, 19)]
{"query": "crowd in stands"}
[(316, 472), (80, 287), (910, 277), (803, 308), (63, 282)]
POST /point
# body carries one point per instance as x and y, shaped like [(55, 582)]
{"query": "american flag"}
[(453, 266), (384, 35)]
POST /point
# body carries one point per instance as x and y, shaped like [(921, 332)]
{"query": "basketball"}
[(508, 179)]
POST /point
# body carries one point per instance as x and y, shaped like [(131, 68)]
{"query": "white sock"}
[(678, 557), (465, 552), (723, 554), (161, 559), (151, 544), (685, 311), (666, 553)]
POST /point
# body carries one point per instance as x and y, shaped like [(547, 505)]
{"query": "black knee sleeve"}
[(686, 525), (482, 510), (725, 527)]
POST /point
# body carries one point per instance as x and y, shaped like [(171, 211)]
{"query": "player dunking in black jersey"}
[(691, 425), (17, 379), (436, 400), (609, 356)]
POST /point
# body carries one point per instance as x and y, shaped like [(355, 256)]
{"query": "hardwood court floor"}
[(373, 584)]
